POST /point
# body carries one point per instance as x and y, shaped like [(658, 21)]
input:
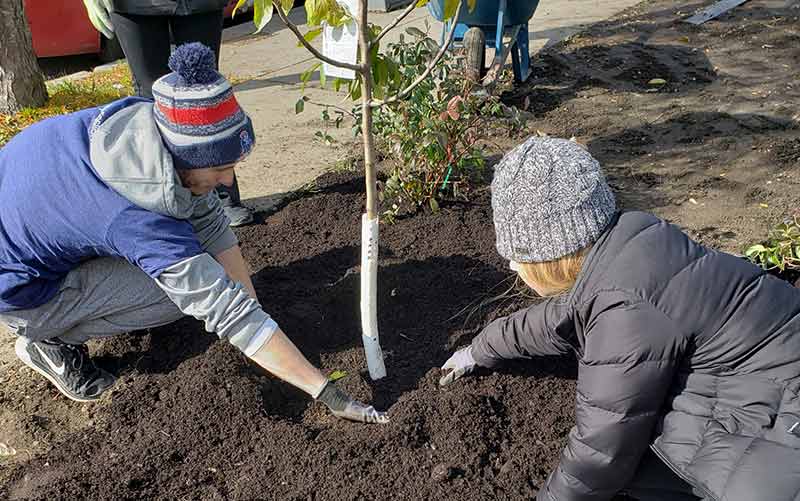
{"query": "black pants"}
[(146, 40), (654, 481)]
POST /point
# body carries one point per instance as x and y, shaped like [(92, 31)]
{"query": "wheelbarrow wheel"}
[(475, 54)]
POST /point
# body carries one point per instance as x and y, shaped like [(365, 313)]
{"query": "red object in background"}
[(62, 28)]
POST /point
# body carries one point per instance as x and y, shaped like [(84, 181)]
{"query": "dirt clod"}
[(443, 472)]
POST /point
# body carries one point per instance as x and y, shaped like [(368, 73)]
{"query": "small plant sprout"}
[(781, 250), (373, 72)]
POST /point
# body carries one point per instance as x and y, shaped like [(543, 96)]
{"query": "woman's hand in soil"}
[(460, 364), (341, 405)]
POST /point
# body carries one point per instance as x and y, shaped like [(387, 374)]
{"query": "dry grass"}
[(68, 96)]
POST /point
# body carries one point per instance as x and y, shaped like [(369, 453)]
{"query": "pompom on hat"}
[(197, 114)]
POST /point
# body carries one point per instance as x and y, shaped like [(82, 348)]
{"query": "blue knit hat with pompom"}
[(200, 121)]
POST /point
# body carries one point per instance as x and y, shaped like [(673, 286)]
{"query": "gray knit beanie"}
[(550, 199)]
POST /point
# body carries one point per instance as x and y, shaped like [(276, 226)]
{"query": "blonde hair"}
[(554, 277)]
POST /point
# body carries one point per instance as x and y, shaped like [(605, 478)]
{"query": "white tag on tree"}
[(341, 44)]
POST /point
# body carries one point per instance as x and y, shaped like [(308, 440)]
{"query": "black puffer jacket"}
[(692, 352), (167, 7)]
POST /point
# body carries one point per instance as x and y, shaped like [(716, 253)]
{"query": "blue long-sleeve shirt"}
[(56, 212)]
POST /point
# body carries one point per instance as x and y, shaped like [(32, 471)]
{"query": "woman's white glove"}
[(461, 364), (100, 15)]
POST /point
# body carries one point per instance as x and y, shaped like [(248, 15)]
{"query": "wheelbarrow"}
[(486, 26)]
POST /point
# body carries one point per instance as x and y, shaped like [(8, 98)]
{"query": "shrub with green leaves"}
[(433, 138), (781, 250)]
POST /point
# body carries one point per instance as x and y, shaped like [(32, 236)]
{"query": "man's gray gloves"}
[(344, 407), (461, 364)]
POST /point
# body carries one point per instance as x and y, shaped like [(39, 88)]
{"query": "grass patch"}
[(68, 96)]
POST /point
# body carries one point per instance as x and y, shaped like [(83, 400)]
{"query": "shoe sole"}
[(22, 354), (239, 224)]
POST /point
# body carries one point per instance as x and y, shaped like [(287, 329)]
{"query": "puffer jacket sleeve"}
[(542, 329), (630, 354)]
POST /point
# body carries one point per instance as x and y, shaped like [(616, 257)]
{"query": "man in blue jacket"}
[(109, 223)]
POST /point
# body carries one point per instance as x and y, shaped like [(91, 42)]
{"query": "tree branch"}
[(309, 47), (405, 92), (333, 106), (394, 23)]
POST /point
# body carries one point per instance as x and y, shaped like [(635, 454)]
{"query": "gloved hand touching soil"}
[(100, 15), (282, 358), (345, 407), (461, 363)]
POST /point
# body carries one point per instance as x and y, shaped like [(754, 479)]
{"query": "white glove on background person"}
[(100, 15)]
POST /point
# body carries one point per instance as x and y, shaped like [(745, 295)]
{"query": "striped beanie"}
[(197, 114)]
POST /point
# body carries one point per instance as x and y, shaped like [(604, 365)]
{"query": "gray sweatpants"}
[(100, 298)]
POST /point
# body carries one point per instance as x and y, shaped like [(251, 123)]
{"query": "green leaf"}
[(287, 5), (336, 375), (355, 89), (415, 32), (322, 78), (299, 106), (450, 7), (754, 249), (310, 36), (305, 76), (262, 13), (329, 11), (337, 84), (238, 5), (471, 4), (434, 205), (772, 258), (422, 3)]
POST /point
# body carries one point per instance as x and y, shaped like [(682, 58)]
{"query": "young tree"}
[(21, 80), (369, 37)]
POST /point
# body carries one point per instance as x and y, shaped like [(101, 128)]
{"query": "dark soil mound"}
[(195, 420), (712, 149)]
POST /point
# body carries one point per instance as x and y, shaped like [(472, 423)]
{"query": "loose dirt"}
[(714, 150)]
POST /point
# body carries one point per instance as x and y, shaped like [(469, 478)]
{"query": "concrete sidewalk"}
[(270, 64)]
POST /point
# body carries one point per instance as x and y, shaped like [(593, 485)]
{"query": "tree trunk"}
[(21, 80), (369, 221)]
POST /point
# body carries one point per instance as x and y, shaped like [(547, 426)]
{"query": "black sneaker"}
[(67, 366)]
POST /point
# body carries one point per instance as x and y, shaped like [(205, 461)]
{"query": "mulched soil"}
[(713, 150)]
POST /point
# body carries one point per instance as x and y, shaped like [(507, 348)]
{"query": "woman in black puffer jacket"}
[(689, 358)]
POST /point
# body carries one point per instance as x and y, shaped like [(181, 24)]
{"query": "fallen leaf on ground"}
[(657, 81), (336, 375), (6, 450)]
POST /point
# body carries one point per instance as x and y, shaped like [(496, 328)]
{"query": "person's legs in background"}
[(101, 298), (145, 40), (206, 28)]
